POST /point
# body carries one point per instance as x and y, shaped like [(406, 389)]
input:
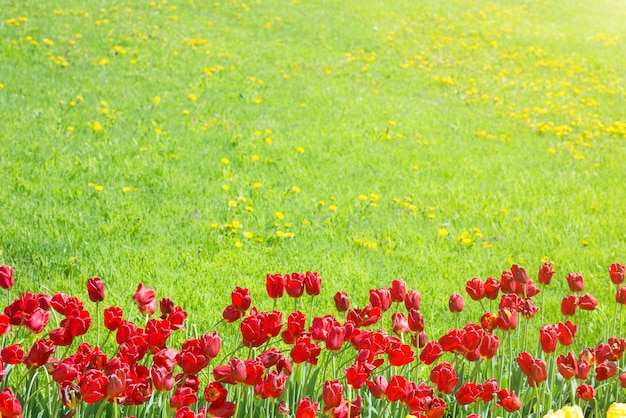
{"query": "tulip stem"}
[(539, 400)]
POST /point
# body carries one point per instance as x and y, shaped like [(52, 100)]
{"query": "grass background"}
[(135, 135)]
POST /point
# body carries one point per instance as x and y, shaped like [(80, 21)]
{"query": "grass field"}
[(195, 146)]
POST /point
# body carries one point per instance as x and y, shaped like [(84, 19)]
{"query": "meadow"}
[(197, 146)]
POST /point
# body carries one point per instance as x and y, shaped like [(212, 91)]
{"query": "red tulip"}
[(586, 392), (378, 387), (112, 318), (275, 285), (413, 300), (335, 338), (381, 298), (616, 272), (9, 404), (274, 384), (93, 386), (507, 282), (528, 310), (509, 400), (222, 410), (95, 289), (306, 408), (567, 332), (492, 288), (143, 295), (456, 303), (575, 282), (605, 371), (358, 373), (398, 291), (305, 351), (342, 303), (545, 273), (587, 302), (569, 304), (444, 376), (6, 277), (452, 340), (401, 355), (548, 337), (396, 389), (475, 288), (534, 369), (294, 284), (431, 352), (620, 296), (332, 394), (488, 346), (519, 274), (37, 320), (416, 320), (240, 299), (215, 393), (489, 321), (400, 323), (567, 365), (116, 384), (252, 331), (211, 344), (12, 354), (182, 396), (622, 380), (507, 319), (583, 370), (468, 393), (312, 283), (39, 353), (490, 389)]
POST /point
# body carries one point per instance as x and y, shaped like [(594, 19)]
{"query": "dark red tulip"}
[(112, 318), (620, 296), (95, 290), (507, 282), (93, 386), (144, 295), (381, 298), (240, 299), (490, 389), (335, 338), (616, 272), (456, 303), (545, 273), (12, 354), (39, 353), (575, 282), (535, 370), (416, 320), (378, 386), (605, 371), (507, 319), (622, 380), (215, 393), (488, 346)]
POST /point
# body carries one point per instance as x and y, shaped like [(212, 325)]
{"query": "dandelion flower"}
[(156, 100), (224, 160), (279, 215)]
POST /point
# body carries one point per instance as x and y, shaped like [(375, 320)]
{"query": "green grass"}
[(457, 115)]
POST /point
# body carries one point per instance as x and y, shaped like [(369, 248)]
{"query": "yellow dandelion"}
[(279, 215), (70, 128), (300, 150), (232, 203), (224, 160), (99, 188), (192, 97), (214, 225), (249, 208), (103, 62), (96, 126), (333, 207), (255, 157), (268, 140), (306, 222), (290, 235), (236, 224), (126, 189), (238, 244), (362, 197), (249, 235), (225, 187), (257, 185), (280, 234), (296, 189), (185, 112), (156, 100), (443, 232)]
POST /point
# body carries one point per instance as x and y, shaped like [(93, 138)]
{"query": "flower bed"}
[(374, 361)]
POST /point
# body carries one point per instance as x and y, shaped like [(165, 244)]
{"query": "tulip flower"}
[(9, 404), (569, 305), (342, 303), (398, 291), (332, 394), (616, 272), (456, 303), (6, 277), (444, 376), (381, 298), (566, 412), (275, 285), (488, 346), (294, 284), (95, 289), (548, 337), (586, 392), (396, 389), (587, 302), (378, 387), (413, 300), (519, 274), (312, 283), (605, 371), (567, 365), (307, 408), (475, 288), (535, 370), (545, 273), (616, 410), (508, 400), (575, 282), (507, 282), (492, 288), (566, 331)]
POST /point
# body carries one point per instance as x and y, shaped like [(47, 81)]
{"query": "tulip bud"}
[(456, 303)]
